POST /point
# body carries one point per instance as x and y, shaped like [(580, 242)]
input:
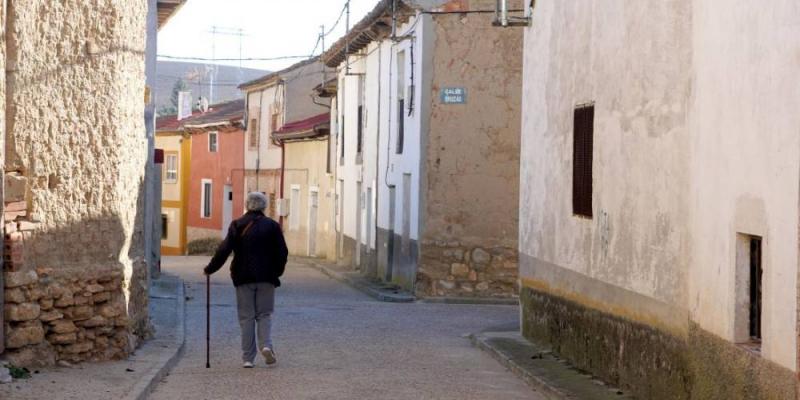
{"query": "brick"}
[(15, 206)]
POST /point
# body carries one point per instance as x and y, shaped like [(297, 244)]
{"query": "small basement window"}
[(582, 153)]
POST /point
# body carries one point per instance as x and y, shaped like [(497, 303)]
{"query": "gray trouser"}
[(255, 303)]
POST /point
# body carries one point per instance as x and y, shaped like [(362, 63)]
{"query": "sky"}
[(273, 28)]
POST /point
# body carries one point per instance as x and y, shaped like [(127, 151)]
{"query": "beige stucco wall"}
[(695, 140), (745, 162), (638, 240), (76, 137), (306, 169), (472, 154), (170, 191)]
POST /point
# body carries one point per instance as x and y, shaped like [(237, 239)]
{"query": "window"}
[(294, 209), (401, 100), (205, 198), (171, 170), (406, 238), (164, 226), (341, 145), (583, 146), (275, 125), (253, 134), (212, 142), (360, 131)]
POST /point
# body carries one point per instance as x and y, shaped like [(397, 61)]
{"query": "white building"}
[(411, 208), (659, 198), (273, 100)]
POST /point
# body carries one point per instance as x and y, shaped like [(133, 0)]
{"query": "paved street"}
[(336, 343)]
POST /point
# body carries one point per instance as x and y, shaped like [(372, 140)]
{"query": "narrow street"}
[(336, 343)]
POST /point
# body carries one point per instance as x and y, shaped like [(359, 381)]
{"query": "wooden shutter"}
[(583, 132)]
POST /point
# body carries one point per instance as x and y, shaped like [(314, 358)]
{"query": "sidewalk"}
[(548, 375), (378, 290), (129, 379)]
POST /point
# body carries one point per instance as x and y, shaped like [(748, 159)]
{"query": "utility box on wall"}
[(283, 208)]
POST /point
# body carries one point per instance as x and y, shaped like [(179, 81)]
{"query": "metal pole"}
[(208, 321), (347, 40), (322, 35), (213, 68)]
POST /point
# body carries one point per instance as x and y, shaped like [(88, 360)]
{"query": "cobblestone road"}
[(335, 343)]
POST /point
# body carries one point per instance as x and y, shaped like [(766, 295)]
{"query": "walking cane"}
[(208, 321)]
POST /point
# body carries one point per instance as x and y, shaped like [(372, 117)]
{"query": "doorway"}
[(359, 206), (390, 234), (313, 208), (227, 209)]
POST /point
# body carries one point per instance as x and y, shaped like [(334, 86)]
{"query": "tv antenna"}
[(218, 30)]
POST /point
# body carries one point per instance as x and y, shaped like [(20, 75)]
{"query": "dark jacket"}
[(259, 254)]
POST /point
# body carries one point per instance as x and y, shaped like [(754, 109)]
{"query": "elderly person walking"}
[(258, 262)]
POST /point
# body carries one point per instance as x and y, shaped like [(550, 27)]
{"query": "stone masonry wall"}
[(455, 269), (72, 318), (75, 157)]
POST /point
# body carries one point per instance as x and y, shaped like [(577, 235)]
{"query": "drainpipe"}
[(283, 169), (503, 17)]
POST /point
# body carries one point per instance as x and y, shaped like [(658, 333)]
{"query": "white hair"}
[(256, 201)]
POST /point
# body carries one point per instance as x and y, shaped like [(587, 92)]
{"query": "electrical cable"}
[(339, 19), (233, 59)]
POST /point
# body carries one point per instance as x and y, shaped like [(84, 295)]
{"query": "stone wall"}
[(648, 362), (458, 270), (75, 157), (52, 317)]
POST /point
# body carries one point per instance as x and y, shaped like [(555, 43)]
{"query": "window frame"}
[(210, 201), (215, 142), (252, 140), (167, 171)]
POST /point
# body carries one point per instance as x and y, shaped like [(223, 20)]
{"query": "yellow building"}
[(177, 148), (308, 183)]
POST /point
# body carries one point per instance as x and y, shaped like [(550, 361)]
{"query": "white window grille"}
[(171, 174)]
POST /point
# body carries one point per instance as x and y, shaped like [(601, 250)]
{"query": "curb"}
[(541, 386), (144, 387), (363, 287), (471, 300)]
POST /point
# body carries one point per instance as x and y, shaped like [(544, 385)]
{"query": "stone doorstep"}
[(491, 301), (548, 375)]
